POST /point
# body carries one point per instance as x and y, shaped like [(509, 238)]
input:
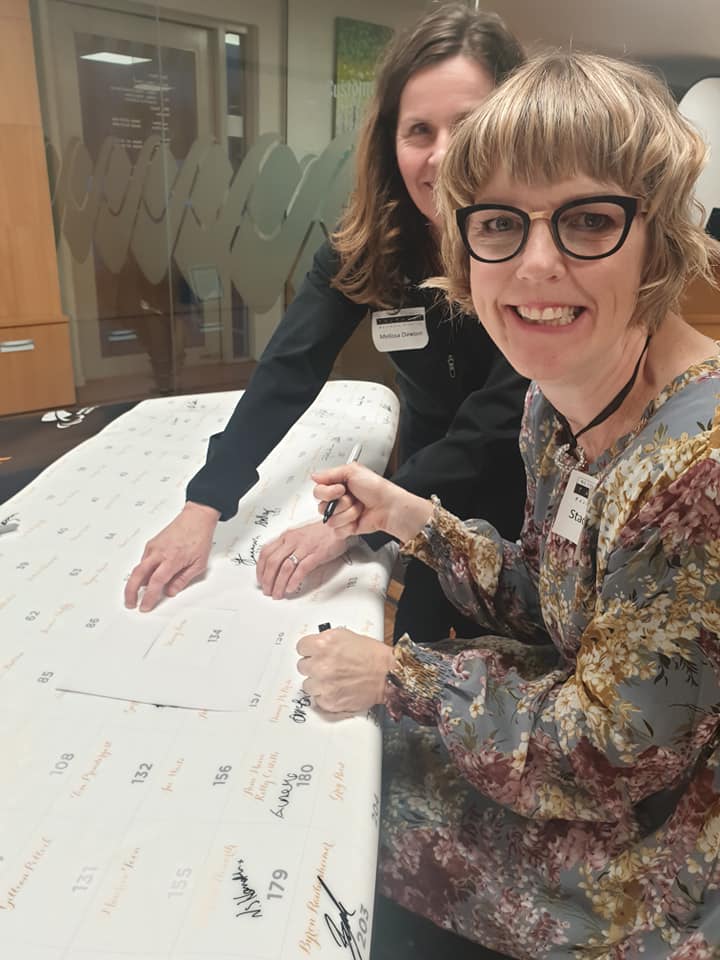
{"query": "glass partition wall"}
[(198, 154), (200, 150)]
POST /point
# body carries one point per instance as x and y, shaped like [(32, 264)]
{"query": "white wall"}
[(311, 59), (701, 105), (641, 28)]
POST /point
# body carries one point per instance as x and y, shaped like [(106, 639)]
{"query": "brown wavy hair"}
[(565, 114), (382, 236)]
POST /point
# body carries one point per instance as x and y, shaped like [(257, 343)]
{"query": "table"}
[(166, 789)]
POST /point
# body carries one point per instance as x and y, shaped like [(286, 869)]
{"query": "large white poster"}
[(166, 788)]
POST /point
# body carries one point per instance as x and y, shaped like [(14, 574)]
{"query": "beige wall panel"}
[(642, 28), (36, 378), (311, 60)]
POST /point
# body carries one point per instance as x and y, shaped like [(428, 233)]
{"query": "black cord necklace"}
[(607, 411)]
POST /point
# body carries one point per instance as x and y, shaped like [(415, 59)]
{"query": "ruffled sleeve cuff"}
[(440, 528), (458, 550), (414, 685)]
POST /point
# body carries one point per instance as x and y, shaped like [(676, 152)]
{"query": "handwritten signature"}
[(242, 561), (247, 901), (342, 934), (262, 519), (302, 703)]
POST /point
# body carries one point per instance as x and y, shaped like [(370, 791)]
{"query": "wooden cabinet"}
[(39, 373), (702, 307), (35, 367)]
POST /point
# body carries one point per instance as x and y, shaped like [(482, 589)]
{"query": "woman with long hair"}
[(461, 401)]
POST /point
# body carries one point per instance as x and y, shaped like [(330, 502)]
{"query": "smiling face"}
[(559, 320), (431, 104)]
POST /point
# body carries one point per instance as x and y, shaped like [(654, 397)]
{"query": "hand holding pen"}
[(363, 502), (332, 504)]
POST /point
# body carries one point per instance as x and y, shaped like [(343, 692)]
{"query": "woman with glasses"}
[(553, 788), (461, 401)]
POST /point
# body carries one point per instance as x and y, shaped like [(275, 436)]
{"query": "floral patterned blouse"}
[(553, 788)]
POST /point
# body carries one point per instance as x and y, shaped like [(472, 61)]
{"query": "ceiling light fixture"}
[(104, 56)]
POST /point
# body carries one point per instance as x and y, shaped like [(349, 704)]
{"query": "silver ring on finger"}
[(293, 559)]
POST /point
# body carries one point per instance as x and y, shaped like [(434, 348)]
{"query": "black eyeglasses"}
[(587, 229)]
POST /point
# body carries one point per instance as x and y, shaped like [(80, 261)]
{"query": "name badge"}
[(400, 329), (570, 517)]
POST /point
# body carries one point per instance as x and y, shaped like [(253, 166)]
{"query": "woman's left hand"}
[(345, 671), (285, 561)]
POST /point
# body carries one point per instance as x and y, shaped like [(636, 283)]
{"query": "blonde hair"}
[(568, 114), (383, 236)]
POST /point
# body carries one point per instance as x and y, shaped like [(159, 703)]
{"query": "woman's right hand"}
[(367, 502), (174, 558)]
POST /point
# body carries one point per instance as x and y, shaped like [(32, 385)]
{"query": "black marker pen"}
[(354, 456)]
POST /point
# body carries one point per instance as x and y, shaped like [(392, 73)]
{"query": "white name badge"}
[(400, 329), (570, 517)]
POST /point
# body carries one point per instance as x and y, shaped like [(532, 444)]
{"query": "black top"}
[(460, 410)]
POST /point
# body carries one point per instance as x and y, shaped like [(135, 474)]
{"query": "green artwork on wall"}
[(358, 46)]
